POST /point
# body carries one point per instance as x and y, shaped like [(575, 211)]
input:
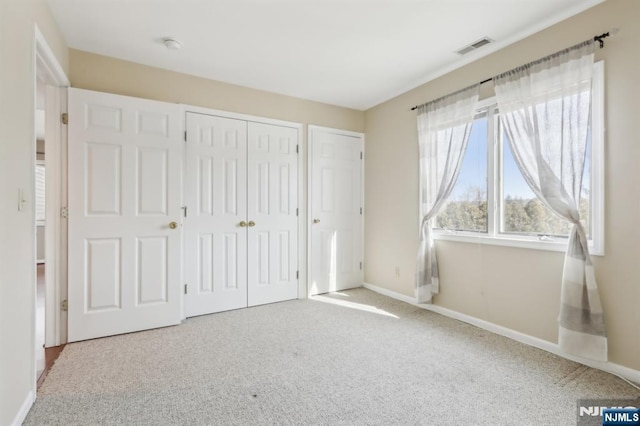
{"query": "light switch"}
[(21, 200)]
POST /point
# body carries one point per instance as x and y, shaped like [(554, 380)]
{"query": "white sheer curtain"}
[(545, 108), (444, 126)]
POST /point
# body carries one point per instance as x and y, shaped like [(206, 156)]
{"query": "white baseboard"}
[(392, 294), (609, 367), (24, 409)]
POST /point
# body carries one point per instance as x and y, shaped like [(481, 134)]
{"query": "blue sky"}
[(474, 167), (514, 184), (473, 172)]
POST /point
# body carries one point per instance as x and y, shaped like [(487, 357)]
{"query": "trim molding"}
[(43, 51), (24, 409), (609, 367), (186, 108)]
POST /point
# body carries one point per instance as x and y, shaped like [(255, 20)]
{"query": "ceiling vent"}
[(473, 46)]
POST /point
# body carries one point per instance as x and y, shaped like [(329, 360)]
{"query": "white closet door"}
[(216, 198), (272, 206), (125, 156), (336, 215)]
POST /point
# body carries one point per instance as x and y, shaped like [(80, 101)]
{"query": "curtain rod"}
[(599, 38)]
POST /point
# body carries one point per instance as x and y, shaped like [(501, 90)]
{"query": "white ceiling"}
[(352, 53)]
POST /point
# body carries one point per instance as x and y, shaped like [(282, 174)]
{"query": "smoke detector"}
[(475, 45), (172, 44)]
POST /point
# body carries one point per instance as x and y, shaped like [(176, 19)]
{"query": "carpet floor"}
[(350, 358)]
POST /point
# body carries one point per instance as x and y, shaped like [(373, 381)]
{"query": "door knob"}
[(252, 223), (316, 220), (173, 225), (242, 224)]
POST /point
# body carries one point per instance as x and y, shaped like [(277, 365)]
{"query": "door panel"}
[(273, 200), (124, 189), (103, 165), (336, 216), (216, 197), (151, 264), (151, 194), (103, 274), (239, 172)]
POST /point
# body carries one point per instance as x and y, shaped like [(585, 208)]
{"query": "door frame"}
[(310, 131), (46, 65), (302, 216)]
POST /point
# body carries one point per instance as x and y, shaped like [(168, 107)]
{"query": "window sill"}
[(509, 241)]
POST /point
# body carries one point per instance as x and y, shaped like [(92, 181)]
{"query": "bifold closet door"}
[(124, 162), (241, 219), (272, 213), (216, 202)]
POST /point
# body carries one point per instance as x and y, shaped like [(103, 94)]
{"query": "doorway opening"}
[(49, 189), (40, 203)]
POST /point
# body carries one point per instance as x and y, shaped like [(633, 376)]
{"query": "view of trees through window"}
[(520, 211), (524, 213), (466, 209)]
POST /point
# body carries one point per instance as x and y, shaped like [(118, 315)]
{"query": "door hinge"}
[(360, 265), (185, 289), (297, 149), (361, 155), (184, 210), (64, 305), (64, 118), (64, 212), (360, 210), (185, 136), (297, 275), (297, 212)]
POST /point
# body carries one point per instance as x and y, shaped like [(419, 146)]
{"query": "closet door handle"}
[(252, 223), (316, 220), (242, 224)]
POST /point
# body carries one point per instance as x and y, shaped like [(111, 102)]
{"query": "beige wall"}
[(105, 74), (517, 288), (17, 153)]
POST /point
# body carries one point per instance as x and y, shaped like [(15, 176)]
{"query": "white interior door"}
[(336, 248), (216, 200), (125, 156), (272, 213)]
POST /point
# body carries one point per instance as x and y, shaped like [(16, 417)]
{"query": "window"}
[(466, 209), (491, 202), (523, 213), (40, 186)]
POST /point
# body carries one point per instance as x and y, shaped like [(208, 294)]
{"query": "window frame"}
[(495, 204)]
